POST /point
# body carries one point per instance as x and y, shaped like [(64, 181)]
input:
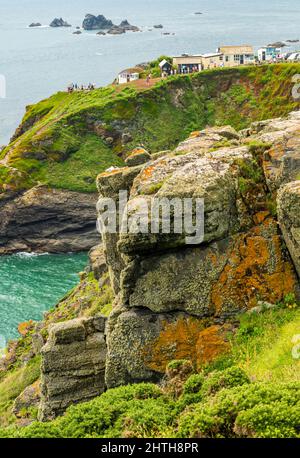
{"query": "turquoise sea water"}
[(30, 285)]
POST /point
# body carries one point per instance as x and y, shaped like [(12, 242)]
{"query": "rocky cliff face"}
[(176, 300), (73, 365), (47, 220)]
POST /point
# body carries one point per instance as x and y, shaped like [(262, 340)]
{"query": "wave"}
[(29, 255), (39, 27)]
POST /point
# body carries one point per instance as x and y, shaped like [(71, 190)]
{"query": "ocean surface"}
[(32, 284), (38, 62)]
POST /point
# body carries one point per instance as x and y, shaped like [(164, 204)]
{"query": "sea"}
[(37, 62)]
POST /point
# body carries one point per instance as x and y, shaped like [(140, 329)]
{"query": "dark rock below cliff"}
[(47, 220), (92, 22)]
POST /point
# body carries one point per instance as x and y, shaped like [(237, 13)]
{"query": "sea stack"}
[(59, 22), (92, 22)]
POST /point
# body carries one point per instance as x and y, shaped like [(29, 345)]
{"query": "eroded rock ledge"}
[(73, 365)]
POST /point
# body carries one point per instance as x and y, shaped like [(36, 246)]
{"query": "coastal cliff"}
[(65, 141), (179, 315), (163, 337)]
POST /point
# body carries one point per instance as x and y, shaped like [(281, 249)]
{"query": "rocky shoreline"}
[(46, 220)]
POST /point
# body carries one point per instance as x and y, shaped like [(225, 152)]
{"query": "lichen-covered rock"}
[(73, 363), (289, 219), (27, 401), (220, 280), (138, 156), (176, 297), (142, 343), (212, 177), (97, 262), (109, 184), (281, 161)]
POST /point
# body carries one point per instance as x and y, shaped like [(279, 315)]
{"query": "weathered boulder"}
[(141, 343), (289, 219), (220, 280), (73, 363), (29, 399), (281, 161), (92, 22), (138, 156), (213, 179), (97, 261)]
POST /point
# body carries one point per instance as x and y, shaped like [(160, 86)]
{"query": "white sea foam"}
[(39, 27), (30, 255)]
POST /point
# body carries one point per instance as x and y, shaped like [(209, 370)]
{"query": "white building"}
[(129, 74), (268, 53)]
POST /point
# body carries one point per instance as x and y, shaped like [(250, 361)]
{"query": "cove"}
[(31, 284)]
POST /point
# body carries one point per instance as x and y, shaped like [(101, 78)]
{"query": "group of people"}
[(165, 74), (76, 87)]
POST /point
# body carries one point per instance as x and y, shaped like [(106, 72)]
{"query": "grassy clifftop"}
[(66, 140), (252, 391)]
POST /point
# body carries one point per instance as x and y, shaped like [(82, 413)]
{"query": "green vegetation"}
[(66, 140), (13, 385), (252, 391)]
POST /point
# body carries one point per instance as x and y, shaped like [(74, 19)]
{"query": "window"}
[(237, 57)]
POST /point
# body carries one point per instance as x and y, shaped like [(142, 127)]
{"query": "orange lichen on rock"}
[(187, 338), (25, 327), (256, 270), (212, 342), (260, 217), (195, 134), (112, 172)]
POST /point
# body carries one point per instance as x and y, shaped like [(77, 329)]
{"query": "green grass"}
[(78, 171), (263, 346), (252, 391), (58, 145), (13, 385)]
